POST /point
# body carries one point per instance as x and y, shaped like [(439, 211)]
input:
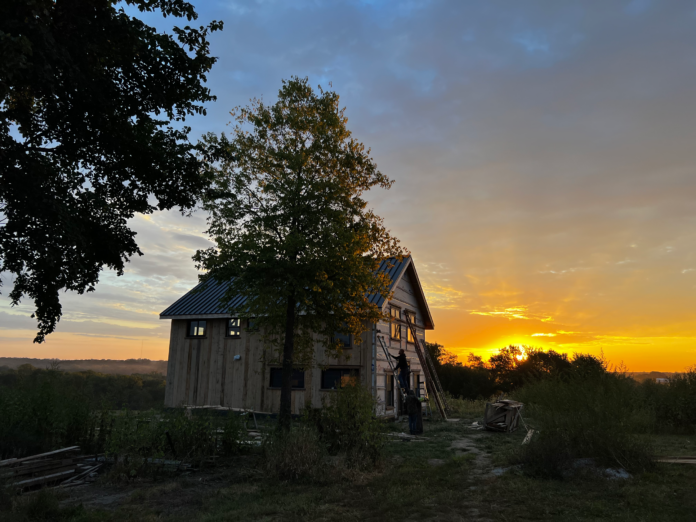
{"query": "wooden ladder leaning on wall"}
[(429, 371), (391, 365)]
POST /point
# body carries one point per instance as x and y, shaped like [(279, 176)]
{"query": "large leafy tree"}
[(88, 97), (292, 229)]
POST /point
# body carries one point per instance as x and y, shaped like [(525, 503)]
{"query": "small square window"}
[(196, 329), (252, 326), (297, 378), (234, 327)]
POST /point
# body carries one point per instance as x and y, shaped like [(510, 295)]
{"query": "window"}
[(390, 391), (297, 378), (412, 317), (419, 392), (196, 329), (395, 323), (344, 340), (333, 378), (251, 325), (234, 328)]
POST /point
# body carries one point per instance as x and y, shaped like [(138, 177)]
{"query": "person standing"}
[(414, 410)]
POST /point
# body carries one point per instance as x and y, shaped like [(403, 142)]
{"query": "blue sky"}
[(543, 157)]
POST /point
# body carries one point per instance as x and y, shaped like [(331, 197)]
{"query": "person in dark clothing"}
[(413, 408), (403, 368)]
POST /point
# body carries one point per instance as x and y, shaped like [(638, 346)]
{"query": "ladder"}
[(429, 372), (391, 365)]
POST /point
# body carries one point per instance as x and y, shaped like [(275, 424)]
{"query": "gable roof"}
[(204, 300)]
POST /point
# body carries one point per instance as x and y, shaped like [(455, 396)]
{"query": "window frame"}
[(395, 323), (345, 346), (355, 371), (412, 315), (189, 324), (228, 335), (278, 369), (389, 387)]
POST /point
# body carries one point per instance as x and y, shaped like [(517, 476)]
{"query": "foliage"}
[(87, 98), (673, 402), (596, 417), (294, 455), (293, 234), (509, 369), (348, 425)]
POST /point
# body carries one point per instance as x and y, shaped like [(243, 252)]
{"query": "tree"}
[(87, 98), (292, 230)]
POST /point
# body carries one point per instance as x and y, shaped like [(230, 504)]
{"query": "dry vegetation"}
[(338, 466)]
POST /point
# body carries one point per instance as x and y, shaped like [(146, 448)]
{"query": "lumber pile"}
[(502, 415), (62, 468)]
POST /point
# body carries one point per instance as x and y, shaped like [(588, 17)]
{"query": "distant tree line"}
[(509, 369)]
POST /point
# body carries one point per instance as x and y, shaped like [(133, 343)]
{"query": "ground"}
[(452, 472)]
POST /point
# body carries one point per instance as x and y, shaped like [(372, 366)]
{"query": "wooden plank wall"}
[(204, 371)]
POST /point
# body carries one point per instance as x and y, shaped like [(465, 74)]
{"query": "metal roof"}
[(205, 298)]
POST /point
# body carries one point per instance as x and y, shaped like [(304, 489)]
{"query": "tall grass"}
[(598, 417), (673, 402)]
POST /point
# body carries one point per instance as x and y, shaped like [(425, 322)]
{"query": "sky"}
[(543, 154)]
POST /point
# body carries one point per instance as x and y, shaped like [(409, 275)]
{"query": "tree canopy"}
[(88, 96), (292, 229)]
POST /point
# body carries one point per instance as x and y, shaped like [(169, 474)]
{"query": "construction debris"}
[(59, 468), (502, 415)]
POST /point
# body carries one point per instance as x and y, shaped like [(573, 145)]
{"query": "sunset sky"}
[(543, 153)]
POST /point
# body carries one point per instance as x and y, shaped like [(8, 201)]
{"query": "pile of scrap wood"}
[(502, 415), (61, 468)]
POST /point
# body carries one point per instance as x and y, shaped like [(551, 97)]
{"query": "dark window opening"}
[(344, 340), (196, 329), (390, 391), (252, 326), (297, 378), (234, 328), (334, 378)]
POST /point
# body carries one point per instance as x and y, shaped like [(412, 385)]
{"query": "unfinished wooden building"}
[(216, 359)]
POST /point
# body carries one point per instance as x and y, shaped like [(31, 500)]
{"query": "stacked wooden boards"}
[(502, 415), (64, 467)]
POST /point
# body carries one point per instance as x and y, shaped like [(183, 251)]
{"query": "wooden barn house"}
[(216, 359)]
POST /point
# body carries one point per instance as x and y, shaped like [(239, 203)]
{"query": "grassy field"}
[(451, 473)]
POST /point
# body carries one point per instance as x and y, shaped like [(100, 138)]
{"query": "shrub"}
[(294, 455), (596, 418), (348, 427), (673, 402)]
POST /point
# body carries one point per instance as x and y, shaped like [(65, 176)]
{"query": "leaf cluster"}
[(88, 95)]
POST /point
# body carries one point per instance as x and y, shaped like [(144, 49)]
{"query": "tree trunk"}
[(284, 416)]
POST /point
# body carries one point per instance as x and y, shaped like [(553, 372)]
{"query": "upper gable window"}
[(412, 317), (234, 327), (196, 329), (395, 322)]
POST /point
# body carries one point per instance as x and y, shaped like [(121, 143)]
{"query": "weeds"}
[(294, 455), (598, 418)]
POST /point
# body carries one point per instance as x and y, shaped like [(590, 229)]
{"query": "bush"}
[(348, 426), (294, 455), (673, 402), (598, 418)]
